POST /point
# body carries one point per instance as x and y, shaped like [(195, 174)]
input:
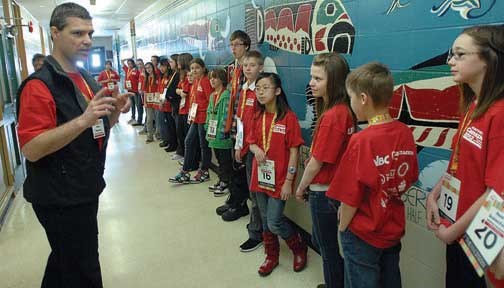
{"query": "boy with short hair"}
[(379, 165)]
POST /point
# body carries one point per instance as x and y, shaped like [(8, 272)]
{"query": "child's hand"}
[(497, 266), (433, 220), (300, 194), (259, 155), (286, 192), (238, 155), (445, 234), (306, 161)]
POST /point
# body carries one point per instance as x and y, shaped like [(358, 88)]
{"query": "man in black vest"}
[(64, 124)]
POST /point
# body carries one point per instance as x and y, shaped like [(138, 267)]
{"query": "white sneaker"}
[(177, 157), (131, 121)]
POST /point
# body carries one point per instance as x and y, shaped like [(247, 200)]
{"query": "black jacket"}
[(72, 175)]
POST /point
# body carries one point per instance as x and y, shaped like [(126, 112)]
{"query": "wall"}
[(411, 37), (32, 41)]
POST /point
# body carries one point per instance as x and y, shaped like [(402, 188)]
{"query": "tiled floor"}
[(152, 233)]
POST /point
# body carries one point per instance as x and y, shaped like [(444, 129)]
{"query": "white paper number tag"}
[(484, 239), (448, 201), (149, 98), (128, 84), (98, 129), (239, 134), (192, 112), (212, 129), (266, 175), (157, 98), (182, 103), (162, 97), (110, 85)]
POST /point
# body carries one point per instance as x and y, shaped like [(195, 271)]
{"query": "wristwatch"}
[(292, 170)]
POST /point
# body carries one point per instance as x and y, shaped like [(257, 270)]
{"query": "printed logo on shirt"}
[(474, 136), (396, 154), (380, 161), (249, 102), (389, 176), (279, 128)]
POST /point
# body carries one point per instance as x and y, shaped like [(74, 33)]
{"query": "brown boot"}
[(299, 249), (272, 250)]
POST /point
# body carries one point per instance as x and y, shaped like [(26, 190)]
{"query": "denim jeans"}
[(181, 129), (367, 266), (254, 226), (197, 133), (150, 122), (272, 215), (324, 213), (139, 108), (168, 128)]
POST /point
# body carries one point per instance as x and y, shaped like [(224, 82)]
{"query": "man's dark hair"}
[(62, 12), (37, 57)]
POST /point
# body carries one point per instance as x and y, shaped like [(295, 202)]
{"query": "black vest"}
[(72, 175)]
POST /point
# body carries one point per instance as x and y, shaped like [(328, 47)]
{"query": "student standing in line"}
[(108, 78), (174, 99), (476, 61), (378, 166), (141, 81), (150, 89), (275, 141), (131, 85), (199, 100), (167, 85), (332, 132), (218, 138), (183, 90)]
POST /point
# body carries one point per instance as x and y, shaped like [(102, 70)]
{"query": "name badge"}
[(157, 98), (250, 102), (110, 85), (484, 239), (162, 97), (192, 112), (182, 103), (266, 175), (212, 129), (449, 199), (98, 129), (149, 98), (128, 84), (239, 134), (139, 86)]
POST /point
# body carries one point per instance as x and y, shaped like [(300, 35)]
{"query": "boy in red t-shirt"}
[(379, 165)]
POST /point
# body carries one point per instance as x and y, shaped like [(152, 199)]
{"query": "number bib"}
[(192, 112), (484, 239), (110, 85), (239, 134), (157, 98), (162, 96), (128, 84), (266, 175), (182, 103), (98, 129), (448, 201), (149, 98), (212, 129)]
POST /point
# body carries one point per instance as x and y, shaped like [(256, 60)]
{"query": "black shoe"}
[(170, 148), (163, 144), (137, 124), (234, 213), (250, 245), (222, 209)]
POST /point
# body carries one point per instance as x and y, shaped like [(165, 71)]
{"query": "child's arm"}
[(432, 208), (346, 214), (455, 231), (258, 152), (287, 185), (311, 170)]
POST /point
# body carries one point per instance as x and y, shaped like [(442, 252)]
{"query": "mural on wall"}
[(306, 27), (395, 5), (468, 9)]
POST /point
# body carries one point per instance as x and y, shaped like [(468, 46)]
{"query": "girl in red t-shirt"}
[(108, 77), (275, 142), (131, 85), (334, 127), (150, 102), (168, 83), (476, 61), (199, 99)]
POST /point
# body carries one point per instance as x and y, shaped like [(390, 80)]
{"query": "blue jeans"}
[(367, 266), (273, 219), (136, 102), (324, 213), (197, 134), (254, 226)]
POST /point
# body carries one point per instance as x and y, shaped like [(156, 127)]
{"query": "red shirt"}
[(150, 87), (286, 134), (111, 76), (379, 165), (133, 76), (166, 107), (186, 88), (246, 111), (331, 137), (203, 91)]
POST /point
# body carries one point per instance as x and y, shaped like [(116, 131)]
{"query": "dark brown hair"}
[(220, 74), (375, 80), (147, 74), (281, 100), (239, 34)]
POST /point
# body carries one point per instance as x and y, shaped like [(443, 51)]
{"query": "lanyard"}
[(462, 130), (216, 99), (236, 79), (151, 81), (108, 75), (267, 145), (90, 92), (379, 118), (130, 70)]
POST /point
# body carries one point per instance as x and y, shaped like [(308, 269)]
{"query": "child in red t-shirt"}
[(108, 78), (379, 165), (477, 64), (334, 127), (131, 85), (275, 139), (150, 102), (183, 89)]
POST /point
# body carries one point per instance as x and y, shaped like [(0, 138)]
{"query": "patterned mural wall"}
[(411, 37)]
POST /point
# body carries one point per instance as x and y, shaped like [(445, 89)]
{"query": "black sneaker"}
[(234, 213), (215, 186), (222, 190), (250, 245), (222, 209)]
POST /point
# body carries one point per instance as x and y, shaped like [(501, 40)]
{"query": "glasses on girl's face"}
[(457, 56), (263, 88), (232, 45)]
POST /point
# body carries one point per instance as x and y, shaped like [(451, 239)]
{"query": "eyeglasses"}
[(457, 55), (232, 45), (263, 88)]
